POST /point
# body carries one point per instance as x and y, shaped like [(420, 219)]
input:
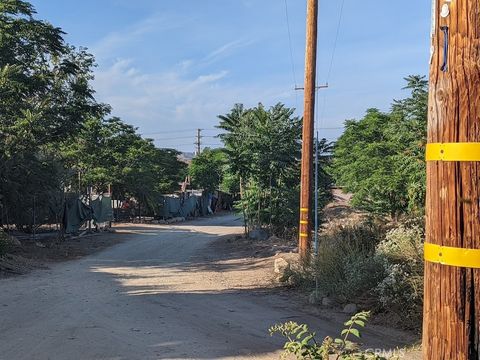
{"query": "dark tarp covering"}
[(102, 209), (75, 214), (171, 206), (188, 207), (194, 205), (202, 205)]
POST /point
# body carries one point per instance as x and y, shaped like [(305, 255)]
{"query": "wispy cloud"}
[(227, 50), (221, 53), (188, 94), (115, 40), (171, 99)]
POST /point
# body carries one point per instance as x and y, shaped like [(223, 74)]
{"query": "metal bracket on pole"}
[(316, 87)]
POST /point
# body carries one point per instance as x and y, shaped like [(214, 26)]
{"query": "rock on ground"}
[(280, 266), (326, 301), (350, 309), (274, 239), (14, 241), (258, 234)]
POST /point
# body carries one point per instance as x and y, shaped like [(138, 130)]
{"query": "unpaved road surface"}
[(151, 297)]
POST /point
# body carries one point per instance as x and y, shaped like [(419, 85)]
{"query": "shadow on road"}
[(189, 281)]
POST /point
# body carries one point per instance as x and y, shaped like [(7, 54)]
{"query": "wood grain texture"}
[(306, 187), (451, 321)]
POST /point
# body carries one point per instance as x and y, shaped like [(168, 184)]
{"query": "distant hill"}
[(186, 157)]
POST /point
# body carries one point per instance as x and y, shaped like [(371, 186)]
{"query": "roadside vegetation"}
[(260, 164), (380, 158), (54, 135), (303, 344), (375, 259)]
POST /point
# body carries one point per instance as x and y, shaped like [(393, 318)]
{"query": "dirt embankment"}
[(26, 254)]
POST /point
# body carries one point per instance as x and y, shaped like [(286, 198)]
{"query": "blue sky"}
[(169, 67)]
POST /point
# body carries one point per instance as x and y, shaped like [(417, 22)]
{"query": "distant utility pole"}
[(305, 226), (451, 321), (198, 143)]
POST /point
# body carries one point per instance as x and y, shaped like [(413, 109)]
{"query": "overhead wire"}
[(291, 50), (290, 45), (340, 17), (172, 138), (167, 132), (330, 67), (160, 132)]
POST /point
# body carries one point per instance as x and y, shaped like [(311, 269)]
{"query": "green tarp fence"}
[(77, 213), (192, 206), (102, 209), (187, 208)]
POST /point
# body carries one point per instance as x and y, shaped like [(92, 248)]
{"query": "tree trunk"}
[(259, 207), (452, 298), (245, 220)]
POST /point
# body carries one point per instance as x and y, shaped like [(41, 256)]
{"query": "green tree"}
[(409, 128), (263, 152), (55, 135), (111, 152), (207, 169), (46, 97), (380, 157)]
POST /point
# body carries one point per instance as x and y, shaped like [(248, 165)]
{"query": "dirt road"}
[(151, 297)]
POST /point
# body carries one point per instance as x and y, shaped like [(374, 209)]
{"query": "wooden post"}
[(451, 321), (305, 226), (198, 142)]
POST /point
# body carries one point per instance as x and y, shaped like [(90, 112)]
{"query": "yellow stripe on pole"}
[(445, 255), (304, 209), (463, 151), (303, 235), (304, 222)]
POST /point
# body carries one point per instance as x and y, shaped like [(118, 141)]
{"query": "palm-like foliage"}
[(263, 149)]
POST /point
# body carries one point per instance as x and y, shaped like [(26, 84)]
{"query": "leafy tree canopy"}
[(207, 169), (263, 148), (54, 134), (380, 158)]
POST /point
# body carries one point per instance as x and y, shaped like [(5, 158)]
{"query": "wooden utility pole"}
[(198, 142), (305, 226), (451, 323)]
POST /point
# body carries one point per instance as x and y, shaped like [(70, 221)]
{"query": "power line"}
[(167, 132), (160, 132), (332, 59), (178, 145), (173, 138), (290, 43), (336, 40), (189, 144)]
